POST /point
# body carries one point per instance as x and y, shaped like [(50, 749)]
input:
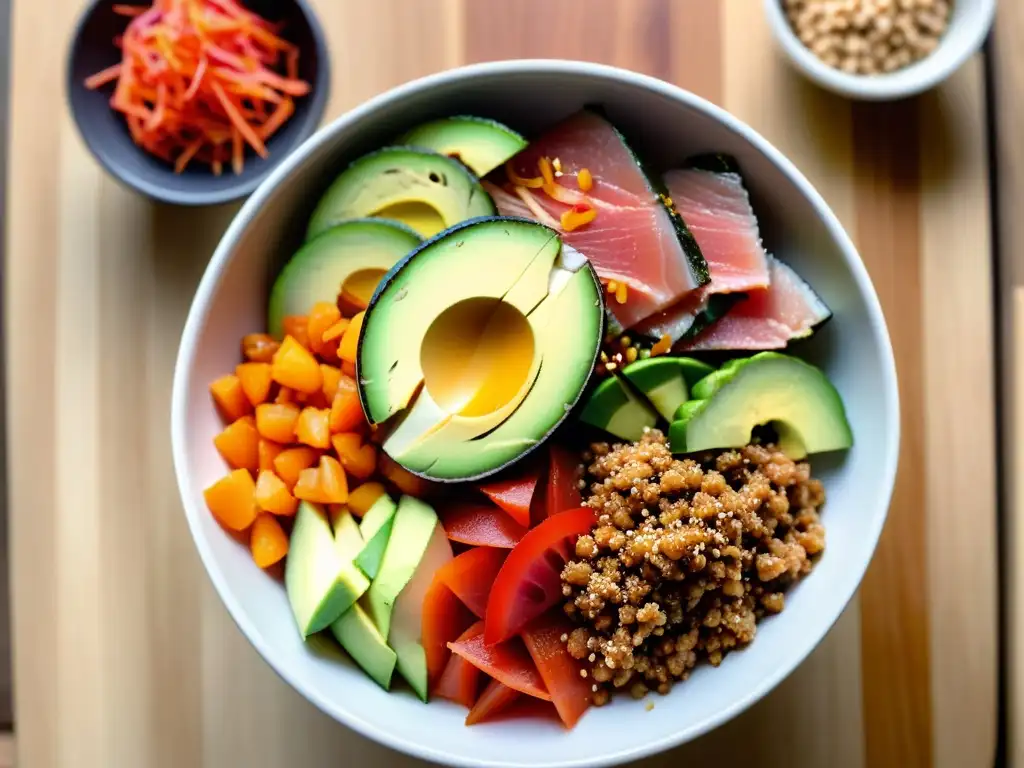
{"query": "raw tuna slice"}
[(768, 318), (636, 238), (715, 204)]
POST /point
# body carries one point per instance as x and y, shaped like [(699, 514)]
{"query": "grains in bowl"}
[(688, 554), (869, 37)]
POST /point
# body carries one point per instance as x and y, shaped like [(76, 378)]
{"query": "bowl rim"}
[(318, 97), (213, 275), (883, 87)]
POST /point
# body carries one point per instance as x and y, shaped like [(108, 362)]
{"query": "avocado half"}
[(481, 144), (422, 189), (477, 346), (353, 255)]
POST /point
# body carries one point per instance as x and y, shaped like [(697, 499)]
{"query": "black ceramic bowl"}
[(106, 132)]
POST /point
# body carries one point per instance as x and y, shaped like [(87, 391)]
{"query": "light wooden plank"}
[(760, 88), (1008, 95), (960, 447)]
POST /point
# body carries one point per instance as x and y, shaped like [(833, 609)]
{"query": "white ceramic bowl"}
[(968, 27), (853, 348)]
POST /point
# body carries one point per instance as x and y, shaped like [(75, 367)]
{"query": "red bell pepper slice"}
[(514, 495), (495, 699), (570, 692), (563, 490), (530, 581), (444, 619), (470, 575), (506, 662), (482, 525), (460, 680)]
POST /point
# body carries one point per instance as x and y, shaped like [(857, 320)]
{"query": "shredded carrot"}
[(101, 78), (578, 216), (585, 179), (201, 79), (663, 345), (546, 173), (128, 10), (622, 293), (522, 181)]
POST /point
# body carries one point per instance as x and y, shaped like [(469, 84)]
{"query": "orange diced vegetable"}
[(297, 326), (350, 341), (362, 498), (230, 397), (268, 451), (332, 376), (357, 459), (346, 411), (333, 482), (232, 500), (276, 421), (308, 487), (272, 495), (336, 331), (313, 428), (267, 541), (259, 348), (323, 316), (294, 366), (239, 444), (292, 461), (349, 369), (255, 380), (403, 479)]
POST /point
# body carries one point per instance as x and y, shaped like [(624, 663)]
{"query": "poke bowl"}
[(525, 387)]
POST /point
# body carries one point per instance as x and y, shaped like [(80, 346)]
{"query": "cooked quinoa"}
[(688, 554)]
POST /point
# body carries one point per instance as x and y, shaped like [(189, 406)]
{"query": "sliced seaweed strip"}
[(713, 163), (695, 259)]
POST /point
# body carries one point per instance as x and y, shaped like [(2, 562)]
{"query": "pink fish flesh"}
[(769, 318), (635, 239), (717, 210)]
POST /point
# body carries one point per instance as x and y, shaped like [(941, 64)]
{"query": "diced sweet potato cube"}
[(267, 541), (239, 444), (230, 398), (294, 366), (273, 496), (255, 380), (276, 421), (232, 500)]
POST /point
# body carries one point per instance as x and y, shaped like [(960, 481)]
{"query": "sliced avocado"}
[(362, 640), (321, 581), (478, 345), (480, 143), (422, 189), (375, 530), (792, 396), (352, 256), (406, 635), (353, 629), (616, 410), (666, 381), (413, 527)]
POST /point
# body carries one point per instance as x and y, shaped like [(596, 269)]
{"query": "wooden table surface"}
[(123, 654)]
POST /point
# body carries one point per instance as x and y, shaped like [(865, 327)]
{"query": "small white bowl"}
[(969, 25), (668, 125)]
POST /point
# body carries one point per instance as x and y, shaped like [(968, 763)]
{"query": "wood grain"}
[(1008, 95), (124, 655)]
